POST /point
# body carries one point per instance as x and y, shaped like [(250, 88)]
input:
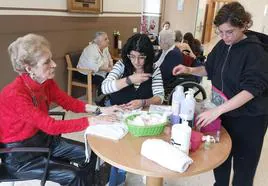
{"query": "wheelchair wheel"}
[(199, 90)]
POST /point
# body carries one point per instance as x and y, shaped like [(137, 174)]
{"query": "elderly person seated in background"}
[(134, 83), (24, 118), (96, 57), (184, 47), (194, 44), (166, 25), (170, 56)]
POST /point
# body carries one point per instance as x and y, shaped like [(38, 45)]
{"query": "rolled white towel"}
[(165, 155)]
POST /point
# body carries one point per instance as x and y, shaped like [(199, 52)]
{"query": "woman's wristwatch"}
[(97, 111)]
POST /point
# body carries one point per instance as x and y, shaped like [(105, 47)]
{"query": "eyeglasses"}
[(227, 33), (133, 57)]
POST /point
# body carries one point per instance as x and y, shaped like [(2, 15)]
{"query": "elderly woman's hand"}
[(103, 119), (138, 78), (207, 117), (111, 110)]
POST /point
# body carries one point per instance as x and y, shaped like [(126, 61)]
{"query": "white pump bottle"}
[(188, 107), (177, 98), (181, 136)]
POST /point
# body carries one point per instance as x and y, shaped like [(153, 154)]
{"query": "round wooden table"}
[(125, 154)]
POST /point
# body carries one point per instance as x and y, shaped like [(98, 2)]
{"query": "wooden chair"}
[(5, 176), (72, 60)]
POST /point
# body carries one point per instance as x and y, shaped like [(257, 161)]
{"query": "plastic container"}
[(188, 107), (177, 98), (148, 130), (181, 136)]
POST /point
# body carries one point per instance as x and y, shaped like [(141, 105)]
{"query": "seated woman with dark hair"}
[(195, 44), (169, 57), (184, 47), (134, 83), (133, 80)]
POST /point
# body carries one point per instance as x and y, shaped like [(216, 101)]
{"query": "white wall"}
[(181, 20), (46, 4), (132, 7), (152, 6), (256, 8), (122, 6)]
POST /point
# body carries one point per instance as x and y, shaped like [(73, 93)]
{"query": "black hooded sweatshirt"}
[(242, 66)]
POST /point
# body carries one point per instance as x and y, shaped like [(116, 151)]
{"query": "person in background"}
[(169, 56), (184, 47), (238, 69), (24, 105), (96, 57), (166, 25), (134, 83), (194, 44)]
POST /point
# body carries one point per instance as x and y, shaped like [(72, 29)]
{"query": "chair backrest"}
[(5, 176), (72, 59)]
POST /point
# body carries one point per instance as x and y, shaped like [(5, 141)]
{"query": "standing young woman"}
[(238, 69)]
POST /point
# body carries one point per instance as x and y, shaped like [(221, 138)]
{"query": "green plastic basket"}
[(149, 130)]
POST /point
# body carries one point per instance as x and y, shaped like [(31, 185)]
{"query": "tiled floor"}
[(205, 179)]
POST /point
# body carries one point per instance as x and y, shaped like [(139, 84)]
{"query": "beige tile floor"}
[(204, 179)]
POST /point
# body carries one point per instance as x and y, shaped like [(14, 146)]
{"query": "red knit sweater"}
[(20, 118)]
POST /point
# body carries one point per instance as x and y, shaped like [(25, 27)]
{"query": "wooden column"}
[(209, 20)]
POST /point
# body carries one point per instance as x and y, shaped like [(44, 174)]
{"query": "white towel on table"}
[(165, 155), (110, 131)]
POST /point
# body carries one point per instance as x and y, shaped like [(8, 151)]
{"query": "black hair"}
[(142, 44), (235, 14), (166, 23), (189, 38)]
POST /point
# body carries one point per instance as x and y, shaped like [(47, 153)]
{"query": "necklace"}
[(34, 99)]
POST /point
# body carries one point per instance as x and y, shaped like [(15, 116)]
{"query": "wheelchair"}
[(187, 81)]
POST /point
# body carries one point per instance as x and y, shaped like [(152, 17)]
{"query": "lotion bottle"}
[(177, 98), (181, 136)]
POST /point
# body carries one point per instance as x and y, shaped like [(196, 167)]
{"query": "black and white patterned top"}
[(109, 84)]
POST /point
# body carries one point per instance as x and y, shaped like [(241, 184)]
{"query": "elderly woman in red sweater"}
[(24, 118)]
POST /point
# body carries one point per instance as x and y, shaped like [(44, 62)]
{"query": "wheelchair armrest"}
[(57, 113), (24, 149)]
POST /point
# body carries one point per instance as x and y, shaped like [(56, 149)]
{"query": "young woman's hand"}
[(180, 69), (134, 104), (207, 117), (139, 77)]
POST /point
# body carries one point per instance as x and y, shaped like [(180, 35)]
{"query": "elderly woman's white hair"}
[(97, 36), (27, 50), (166, 39)]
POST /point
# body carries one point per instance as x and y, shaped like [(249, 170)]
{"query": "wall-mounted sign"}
[(85, 6), (180, 4)]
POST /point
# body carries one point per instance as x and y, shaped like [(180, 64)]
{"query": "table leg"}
[(154, 181)]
